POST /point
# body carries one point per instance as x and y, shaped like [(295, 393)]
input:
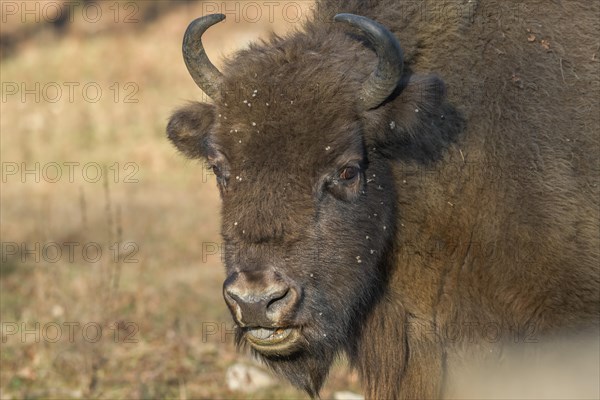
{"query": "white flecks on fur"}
[(245, 101), (267, 104), (254, 124), (373, 175), (369, 180), (374, 214), (451, 204), (219, 115), (249, 104), (225, 104), (416, 110), (367, 237), (235, 223), (254, 93), (327, 148), (292, 102), (379, 187), (240, 141), (312, 275), (392, 124), (243, 231), (404, 181), (372, 251), (384, 227), (358, 260)]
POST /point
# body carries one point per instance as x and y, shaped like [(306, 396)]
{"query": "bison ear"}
[(413, 115), (189, 129)]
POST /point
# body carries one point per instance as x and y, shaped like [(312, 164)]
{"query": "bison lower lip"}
[(267, 336), (274, 342)]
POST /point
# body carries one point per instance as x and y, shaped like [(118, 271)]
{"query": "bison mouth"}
[(273, 341)]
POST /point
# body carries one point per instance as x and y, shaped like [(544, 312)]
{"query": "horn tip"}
[(219, 17), (209, 20), (344, 17), (213, 18)]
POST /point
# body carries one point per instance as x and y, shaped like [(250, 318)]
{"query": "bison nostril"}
[(276, 297)]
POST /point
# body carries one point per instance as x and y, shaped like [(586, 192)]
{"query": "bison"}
[(405, 183)]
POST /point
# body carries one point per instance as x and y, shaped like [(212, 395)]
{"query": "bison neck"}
[(396, 356)]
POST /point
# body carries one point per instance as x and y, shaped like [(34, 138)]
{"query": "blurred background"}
[(111, 275)]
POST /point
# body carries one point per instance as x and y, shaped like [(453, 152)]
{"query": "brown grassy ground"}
[(154, 297)]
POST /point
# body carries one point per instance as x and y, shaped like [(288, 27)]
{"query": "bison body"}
[(409, 226)]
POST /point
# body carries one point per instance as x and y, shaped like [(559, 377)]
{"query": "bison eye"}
[(346, 183), (222, 175), (348, 174), (216, 170)]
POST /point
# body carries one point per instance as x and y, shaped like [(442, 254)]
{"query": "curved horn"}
[(204, 73), (384, 80)]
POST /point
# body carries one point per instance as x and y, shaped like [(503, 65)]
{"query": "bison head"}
[(301, 137)]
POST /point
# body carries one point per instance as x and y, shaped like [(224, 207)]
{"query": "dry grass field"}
[(110, 281)]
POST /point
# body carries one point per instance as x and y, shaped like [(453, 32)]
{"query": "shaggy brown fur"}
[(475, 217)]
